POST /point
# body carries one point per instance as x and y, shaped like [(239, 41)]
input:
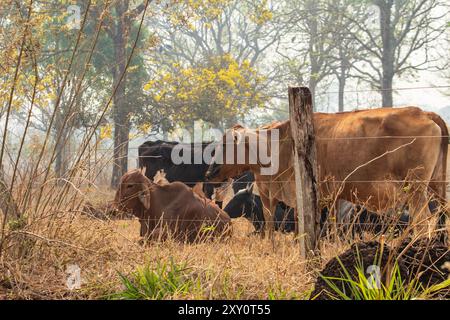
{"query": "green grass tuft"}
[(165, 281), (396, 288)]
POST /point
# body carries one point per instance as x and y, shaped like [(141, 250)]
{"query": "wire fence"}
[(169, 164), (382, 219), (322, 181), (196, 146)]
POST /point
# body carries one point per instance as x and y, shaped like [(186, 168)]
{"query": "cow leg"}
[(439, 207), (419, 211), (144, 232), (269, 214)]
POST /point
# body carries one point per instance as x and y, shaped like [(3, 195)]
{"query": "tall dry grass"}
[(50, 230), (37, 256)]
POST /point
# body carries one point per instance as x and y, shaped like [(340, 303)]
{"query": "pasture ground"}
[(37, 258), (242, 267)]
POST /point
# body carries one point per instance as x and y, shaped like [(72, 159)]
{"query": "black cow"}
[(157, 155), (246, 204), (357, 219)]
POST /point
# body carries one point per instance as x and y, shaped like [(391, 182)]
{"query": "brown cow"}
[(368, 153), (171, 207)]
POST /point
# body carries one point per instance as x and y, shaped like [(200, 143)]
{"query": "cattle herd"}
[(391, 160)]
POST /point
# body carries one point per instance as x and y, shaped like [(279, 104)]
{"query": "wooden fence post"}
[(305, 168)]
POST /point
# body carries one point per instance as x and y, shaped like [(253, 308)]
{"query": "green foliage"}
[(165, 281), (229, 289), (278, 293), (395, 288), (17, 224)]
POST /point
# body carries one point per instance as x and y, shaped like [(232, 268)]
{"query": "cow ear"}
[(250, 188), (144, 195)]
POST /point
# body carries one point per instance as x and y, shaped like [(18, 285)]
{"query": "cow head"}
[(242, 204), (134, 192), (225, 162)]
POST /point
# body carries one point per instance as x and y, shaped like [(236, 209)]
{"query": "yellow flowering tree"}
[(208, 62), (217, 92)]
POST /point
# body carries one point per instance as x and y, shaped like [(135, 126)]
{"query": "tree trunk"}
[(61, 159), (121, 134), (312, 85), (313, 52), (7, 204), (341, 94), (387, 37), (343, 68), (120, 114), (386, 94)]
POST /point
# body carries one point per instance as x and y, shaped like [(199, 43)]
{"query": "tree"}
[(119, 29), (308, 54), (347, 51), (445, 67), (210, 54), (60, 106), (405, 28), (215, 92)]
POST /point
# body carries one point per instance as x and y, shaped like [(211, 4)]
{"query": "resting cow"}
[(365, 155), (170, 208)]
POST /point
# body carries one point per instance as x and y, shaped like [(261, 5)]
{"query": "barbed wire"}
[(390, 220), (274, 140), (384, 89), (322, 181)]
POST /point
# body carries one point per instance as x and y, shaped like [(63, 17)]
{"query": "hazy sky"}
[(426, 98)]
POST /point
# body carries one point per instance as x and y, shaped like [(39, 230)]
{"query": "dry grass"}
[(243, 267), (240, 267)]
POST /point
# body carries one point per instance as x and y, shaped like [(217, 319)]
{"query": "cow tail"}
[(440, 186)]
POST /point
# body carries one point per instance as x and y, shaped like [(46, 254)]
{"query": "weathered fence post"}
[(305, 168)]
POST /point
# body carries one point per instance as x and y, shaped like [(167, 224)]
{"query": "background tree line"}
[(219, 61)]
